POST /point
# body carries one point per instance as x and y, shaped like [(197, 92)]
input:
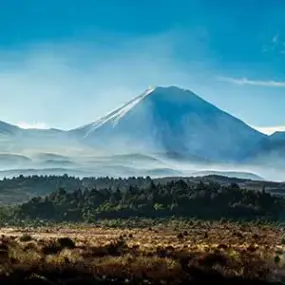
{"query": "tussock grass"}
[(228, 253)]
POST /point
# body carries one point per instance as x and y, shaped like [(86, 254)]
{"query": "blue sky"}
[(66, 63)]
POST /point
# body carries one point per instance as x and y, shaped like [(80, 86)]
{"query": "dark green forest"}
[(142, 198), (23, 188)]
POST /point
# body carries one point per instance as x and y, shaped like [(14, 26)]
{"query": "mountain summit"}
[(172, 120)]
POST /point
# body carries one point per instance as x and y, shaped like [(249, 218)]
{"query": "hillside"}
[(145, 198), (11, 160), (20, 189), (16, 140), (269, 151), (232, 174)]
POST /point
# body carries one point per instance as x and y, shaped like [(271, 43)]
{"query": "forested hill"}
[(210, 201), (21, 189)]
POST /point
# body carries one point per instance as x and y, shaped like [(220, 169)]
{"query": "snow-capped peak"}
[(174, 120), (120, 112)]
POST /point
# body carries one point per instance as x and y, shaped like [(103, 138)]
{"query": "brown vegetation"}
[(202, 253)]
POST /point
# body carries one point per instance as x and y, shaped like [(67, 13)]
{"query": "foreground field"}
[(173, 253)]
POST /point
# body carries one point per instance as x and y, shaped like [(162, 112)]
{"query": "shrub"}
[(51, 248), (277, 259), (55, 247), (26, 238), (222, 246), (116, 248), (66, 242), (180, 236)]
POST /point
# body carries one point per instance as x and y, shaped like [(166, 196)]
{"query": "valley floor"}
[(176, 252)]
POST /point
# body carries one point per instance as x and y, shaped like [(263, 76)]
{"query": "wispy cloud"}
[(270, 130), (35, 125), (245, 81), (277, 45), (275, 39)]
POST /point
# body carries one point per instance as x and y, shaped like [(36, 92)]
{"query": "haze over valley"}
[(165, 131)]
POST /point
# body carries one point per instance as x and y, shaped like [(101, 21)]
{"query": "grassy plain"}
[(190, 252)]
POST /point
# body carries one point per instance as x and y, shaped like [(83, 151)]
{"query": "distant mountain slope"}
[(8, 134), (172, 120), (278, 136), (13, 160), (230, 174), (48, 156), (17, 140), (270, 151), (7, 129)]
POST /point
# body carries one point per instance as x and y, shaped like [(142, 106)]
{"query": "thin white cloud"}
[(245, 81), (275, 39), (270, 130), (36, 125), (276, 45)]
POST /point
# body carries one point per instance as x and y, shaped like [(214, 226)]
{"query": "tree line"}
[(175, 198)]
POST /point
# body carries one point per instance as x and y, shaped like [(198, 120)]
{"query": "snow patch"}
[(118, 113)]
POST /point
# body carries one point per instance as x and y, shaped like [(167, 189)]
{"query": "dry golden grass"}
[(141, 255)]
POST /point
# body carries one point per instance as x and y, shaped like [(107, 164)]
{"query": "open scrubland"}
[(212, 230), (143, 252)]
